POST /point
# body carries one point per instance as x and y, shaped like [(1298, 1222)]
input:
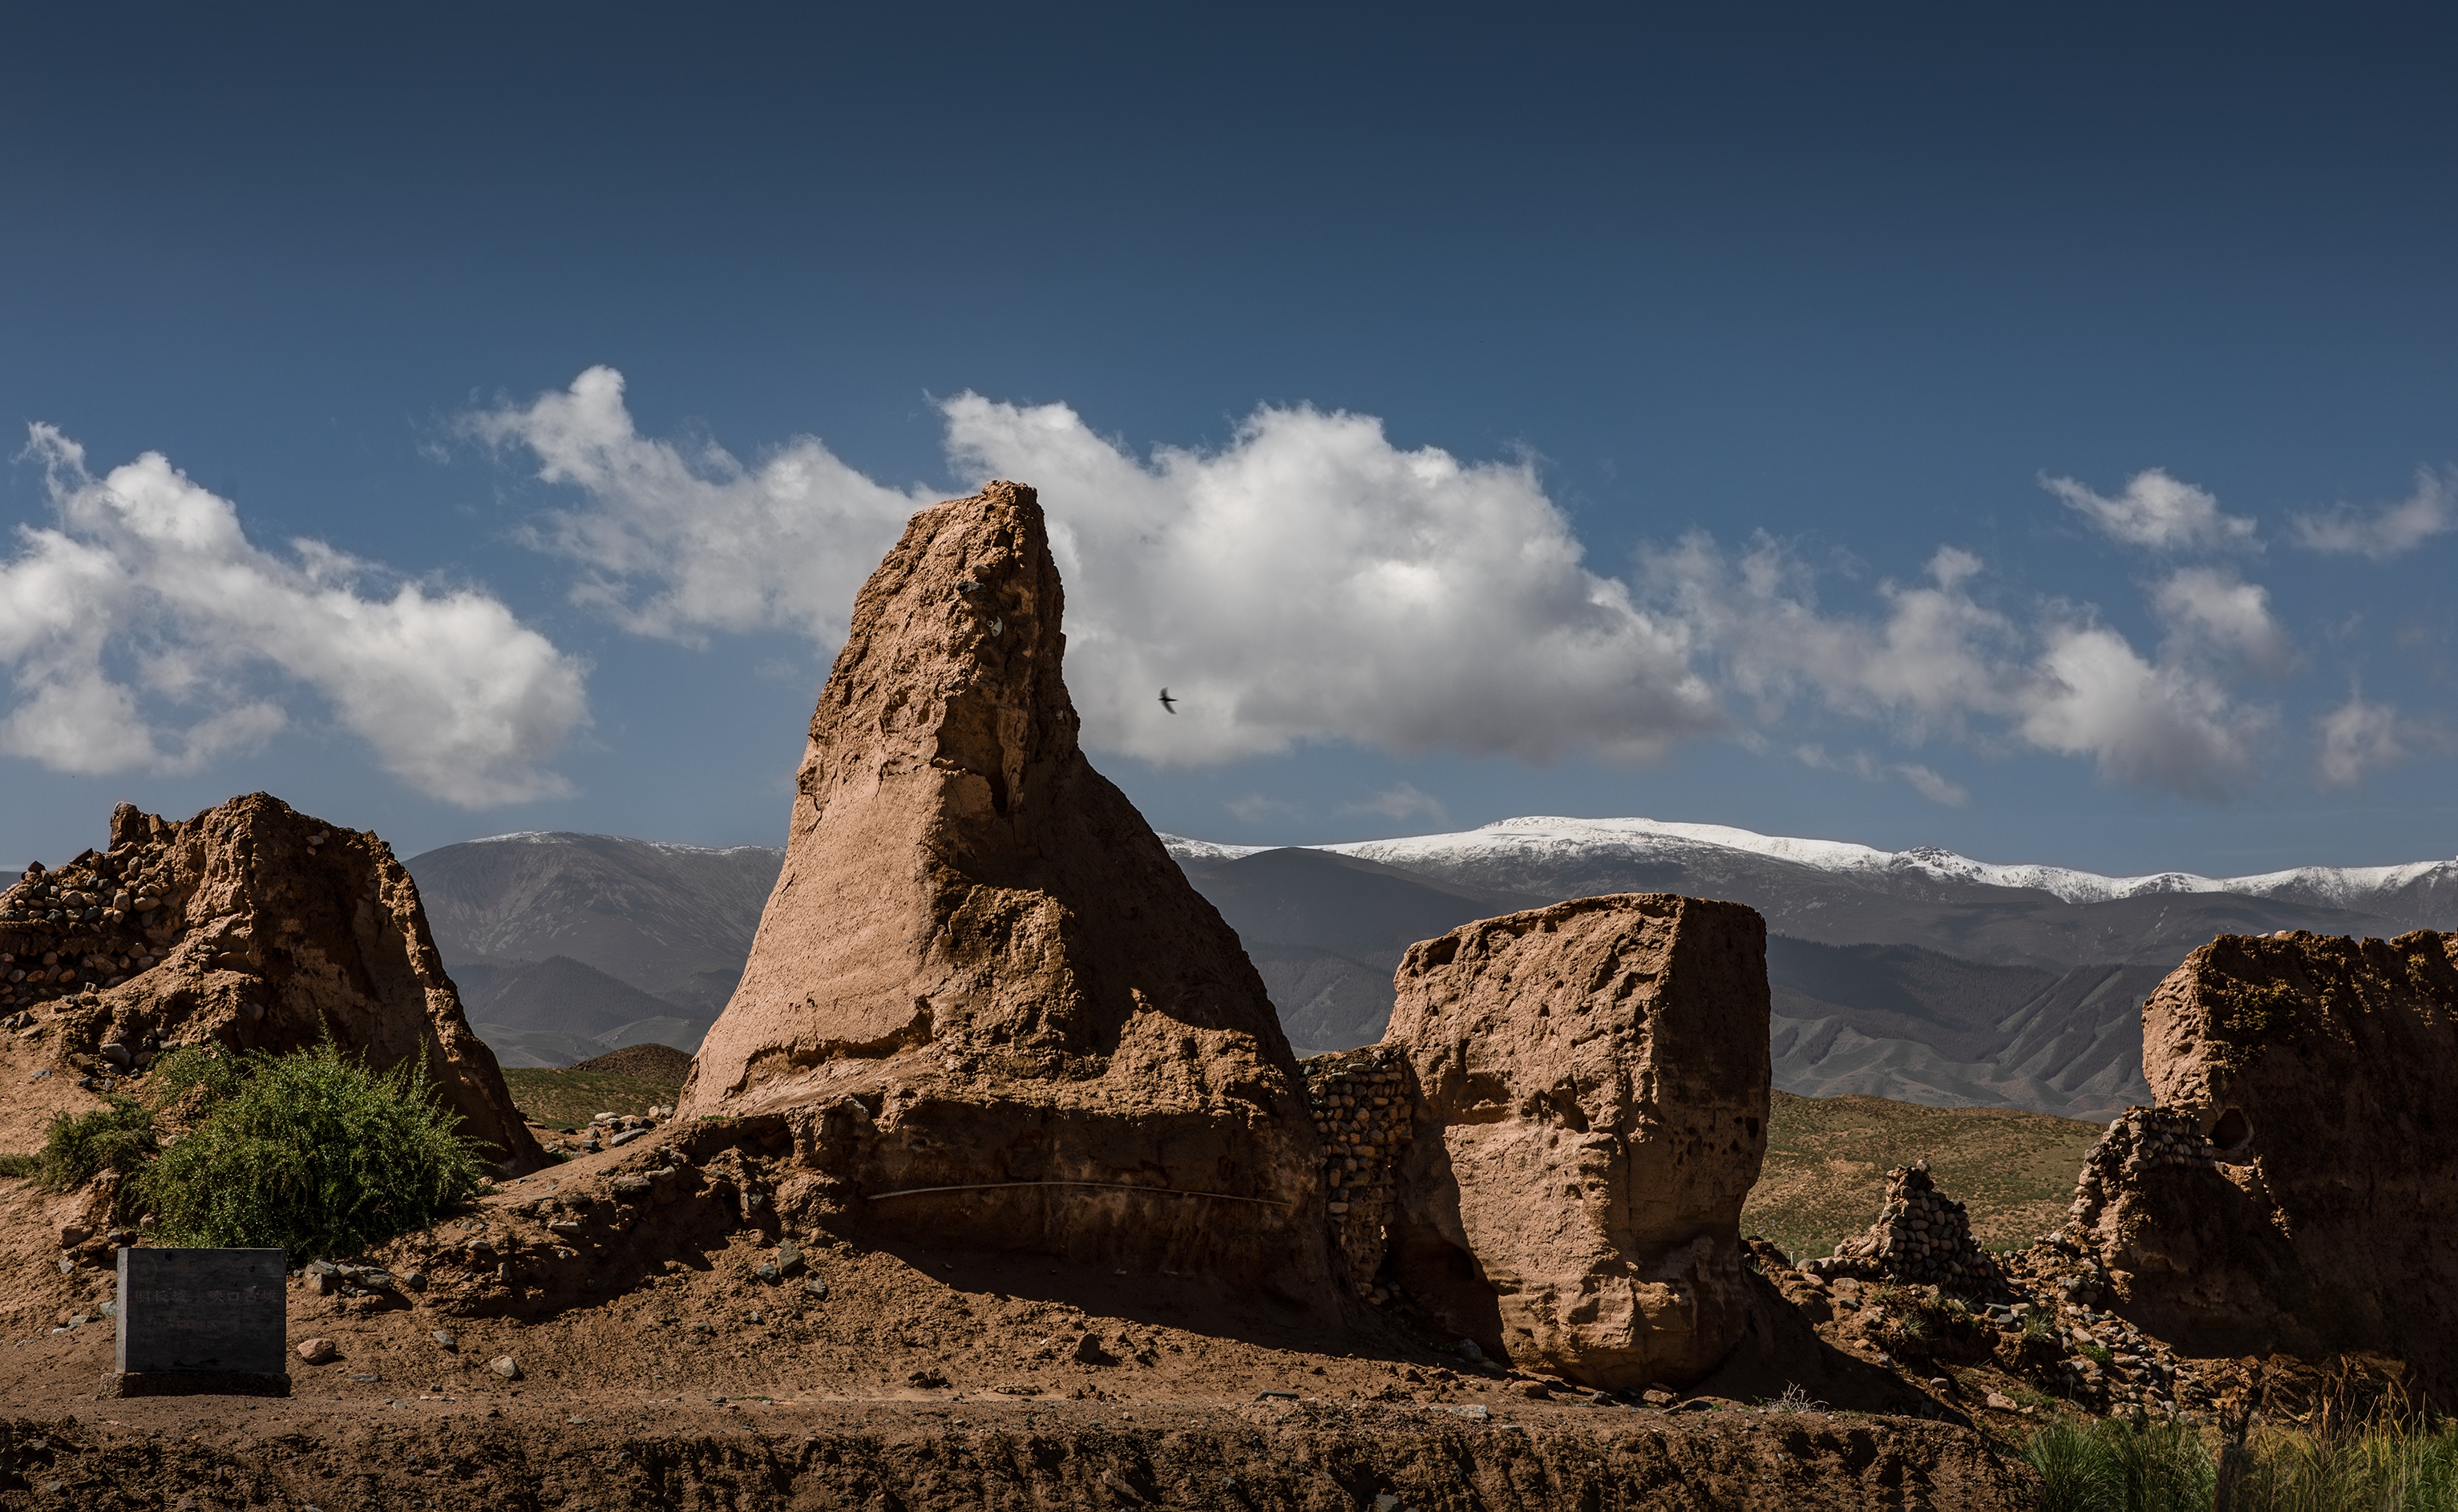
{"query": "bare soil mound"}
[(708, 1354), (569, 1451)]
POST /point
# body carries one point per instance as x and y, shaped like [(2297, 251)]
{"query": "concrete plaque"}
[(201, 1320)]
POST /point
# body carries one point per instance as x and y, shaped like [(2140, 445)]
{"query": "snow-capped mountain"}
[(1521, 841), (1917, 974), (1794, 882)]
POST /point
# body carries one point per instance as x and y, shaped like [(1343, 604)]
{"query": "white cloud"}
[(2156, 510), (1937, 656), (1307, 581), (2357, 737), (1400, 801), (676, 545), (1939, 662), (2212, 614), (2430, 510), (2092, 695), (1933, 787), (140, 630)]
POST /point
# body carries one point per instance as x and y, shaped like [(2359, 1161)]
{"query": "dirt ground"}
[(659, 1366)]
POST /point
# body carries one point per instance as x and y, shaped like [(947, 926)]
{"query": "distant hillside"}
[(557, 993), (1827, 1157), (1326, 932), (672, 921), (1838, 893), (1901, 1021), (1916, 975)]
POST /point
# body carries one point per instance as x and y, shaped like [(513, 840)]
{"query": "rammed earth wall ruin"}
[(2297, 1186)]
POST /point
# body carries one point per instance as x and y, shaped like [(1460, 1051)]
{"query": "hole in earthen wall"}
[(2233, 1133)]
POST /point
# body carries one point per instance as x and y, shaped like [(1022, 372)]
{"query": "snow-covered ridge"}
[(568, 837), (1641, 840)]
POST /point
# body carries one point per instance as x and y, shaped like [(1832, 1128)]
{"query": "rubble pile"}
[(1921, 1236)]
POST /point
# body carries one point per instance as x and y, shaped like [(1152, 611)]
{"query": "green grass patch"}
[(21, 1164), (311, 1153), (2114, 1466), (566, 1099)]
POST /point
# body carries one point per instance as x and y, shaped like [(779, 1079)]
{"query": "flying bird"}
[(1167, 702)]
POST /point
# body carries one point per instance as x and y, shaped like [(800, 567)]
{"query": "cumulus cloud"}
[(2090, 693), (1939, 662), (2358, 737), (2385, 532), (676, 544), (2214, 614), (1305, 581), (1308, 580), (2156, 511), (144, 631), (1935, 657)]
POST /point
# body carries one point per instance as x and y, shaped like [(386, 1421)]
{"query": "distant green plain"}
[(568, 1099), (1827, 1158)]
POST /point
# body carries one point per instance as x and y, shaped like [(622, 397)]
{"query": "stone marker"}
[(201, 1321)]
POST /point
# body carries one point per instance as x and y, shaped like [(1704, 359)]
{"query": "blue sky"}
[(2030, 434)]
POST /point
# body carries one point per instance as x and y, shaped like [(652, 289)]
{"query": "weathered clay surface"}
[(2296, 1188), (253, 926), (1592, 1084), (1922, 1236), (981, 970)]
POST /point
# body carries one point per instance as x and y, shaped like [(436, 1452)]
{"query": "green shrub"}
[(311, 1153), (21, 1164), (117, 1137), (2114, 1466), (191, 1080)]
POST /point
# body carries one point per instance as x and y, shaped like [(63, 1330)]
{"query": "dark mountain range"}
[(1326, 930), (1916, 975), (1982, 921), (557, 993), (1942, 1031), (673, 921), (557, 1011)]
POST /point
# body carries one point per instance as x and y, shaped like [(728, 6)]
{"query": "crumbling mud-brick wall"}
[(252, 925), (2296, 1188), (981, 996), (1592, 1086)]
